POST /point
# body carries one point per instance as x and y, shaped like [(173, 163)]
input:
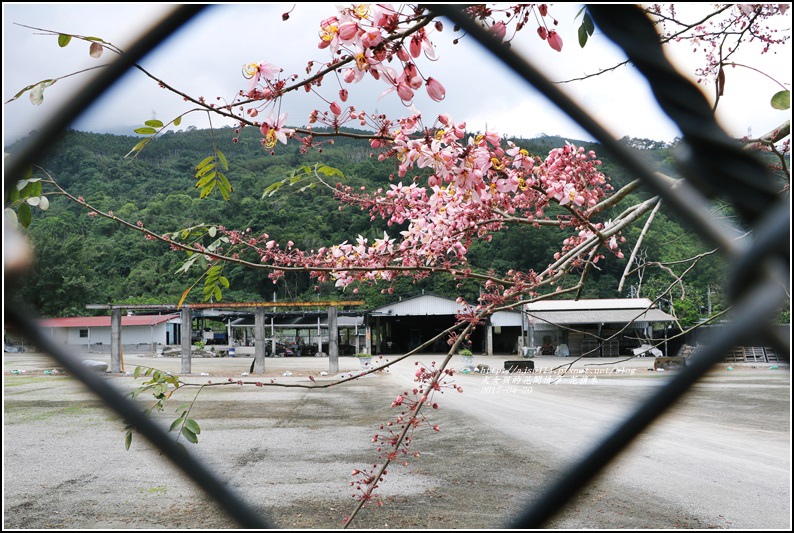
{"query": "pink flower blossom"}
[(499, 30), (256, 71), (348, 30), (405, 92), (435, 90), (555, 41), (274, 131)]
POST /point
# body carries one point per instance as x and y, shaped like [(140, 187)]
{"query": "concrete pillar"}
[(489, 339), (368, 339), (115, 340), (187, 335), (377, 337), (333, 341), (273, 335), (259, 341)]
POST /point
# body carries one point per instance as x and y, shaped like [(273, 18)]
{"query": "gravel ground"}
[(721, 459)]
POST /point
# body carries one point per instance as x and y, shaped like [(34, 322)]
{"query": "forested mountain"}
[(83, 260)]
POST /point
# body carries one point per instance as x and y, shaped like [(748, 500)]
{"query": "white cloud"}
[(206, 58)]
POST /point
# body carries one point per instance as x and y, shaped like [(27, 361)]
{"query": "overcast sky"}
[(206, 59)]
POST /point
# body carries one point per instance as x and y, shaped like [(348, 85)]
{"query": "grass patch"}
[(15, 380), (24, 412)]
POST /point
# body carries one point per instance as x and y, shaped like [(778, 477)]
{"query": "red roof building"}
[(93, 332)]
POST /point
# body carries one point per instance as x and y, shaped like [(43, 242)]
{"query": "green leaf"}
[(175, 423), (329, 171), (64, 39), (32, 188), (137, 372), (205, 161), (24, 215), (183, 407), (145, 131), (177, 121), (207, 190), (225, 182), (224, 162), (782, 100), (193, 426), (213, 273), (205, 180), (189, 435), (224, 282), (138, 146), (218, 294), (582, 35), (13, 195), (205, 169), (588, 24), (128, 440), (154, 123), (270, 190), (224, 191)]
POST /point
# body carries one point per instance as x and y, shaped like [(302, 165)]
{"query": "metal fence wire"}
[(712, 163)]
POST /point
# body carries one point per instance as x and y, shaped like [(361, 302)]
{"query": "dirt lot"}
[(721, 459)]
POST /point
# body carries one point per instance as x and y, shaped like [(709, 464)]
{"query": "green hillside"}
[(83, 260)]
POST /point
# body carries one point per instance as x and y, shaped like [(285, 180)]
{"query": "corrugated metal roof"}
[(104, 321), (303, 322), (430, 304), (580, 305), (600, 316), (506, 318), (425, 304)]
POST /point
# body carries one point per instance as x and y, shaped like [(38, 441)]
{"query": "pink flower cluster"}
[(368, 33), (475, 184), (394, 437)]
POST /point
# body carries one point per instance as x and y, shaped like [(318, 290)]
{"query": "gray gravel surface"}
[(720, 459)]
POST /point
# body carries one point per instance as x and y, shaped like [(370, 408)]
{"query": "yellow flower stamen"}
[(361, 10), (250, 69), (270, 139), (328, 33), (361, 62)]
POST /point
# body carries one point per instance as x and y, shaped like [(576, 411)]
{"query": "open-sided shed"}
[(402, 326), (595, 328)]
